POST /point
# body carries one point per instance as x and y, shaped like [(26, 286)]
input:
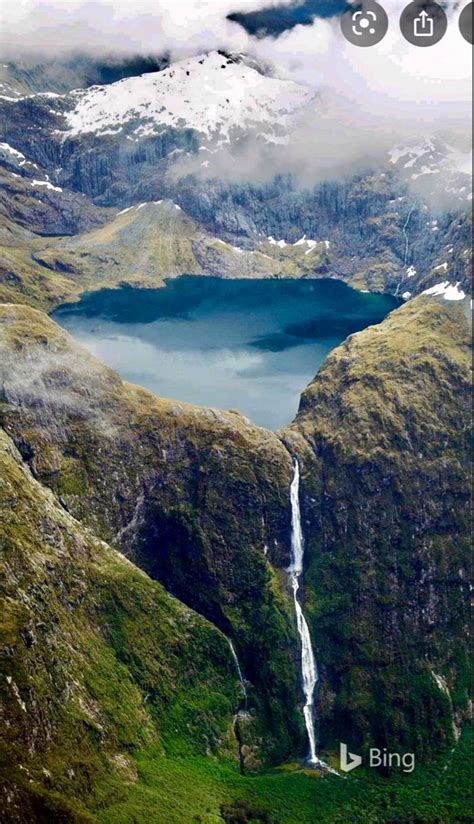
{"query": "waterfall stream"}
[(239, 672), (309, 671), (407, 246)]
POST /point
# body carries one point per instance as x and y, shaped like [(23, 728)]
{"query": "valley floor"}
[(184, 790)]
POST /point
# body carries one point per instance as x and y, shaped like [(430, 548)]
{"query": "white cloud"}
[(373, 97), (369, 98), (122, 26)]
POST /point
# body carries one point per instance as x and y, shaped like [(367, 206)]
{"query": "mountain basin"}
[(251, 345)]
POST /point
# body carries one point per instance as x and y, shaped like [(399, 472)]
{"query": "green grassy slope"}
[(99, 662), (198, 790)]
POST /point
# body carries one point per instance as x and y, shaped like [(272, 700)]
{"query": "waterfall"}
[(239, 672), (407, 245), (309, 671), (405, 233)]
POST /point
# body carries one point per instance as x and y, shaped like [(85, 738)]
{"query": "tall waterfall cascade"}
[(239, 673), (309, 670)]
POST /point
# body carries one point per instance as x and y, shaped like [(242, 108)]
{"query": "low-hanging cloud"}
[(52, 28), (366, 99)]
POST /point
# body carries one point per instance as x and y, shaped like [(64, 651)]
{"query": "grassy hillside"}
[(141, 246), (196, 790)]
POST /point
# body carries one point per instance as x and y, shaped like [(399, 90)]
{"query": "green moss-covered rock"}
[(382, 433), (98, 662), (196, 497)]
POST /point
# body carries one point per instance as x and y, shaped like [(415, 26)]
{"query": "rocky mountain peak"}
[(214, 94)]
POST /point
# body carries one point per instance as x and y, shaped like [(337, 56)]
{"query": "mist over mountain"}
[(366, 101)]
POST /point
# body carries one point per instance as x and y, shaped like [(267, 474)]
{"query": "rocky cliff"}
[(98, 662), (383, 433), (198, 498)]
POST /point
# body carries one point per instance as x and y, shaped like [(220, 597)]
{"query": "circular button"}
[(465, 23), (423, 23), (366, 26)]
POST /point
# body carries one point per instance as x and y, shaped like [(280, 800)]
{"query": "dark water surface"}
[(251, 345)]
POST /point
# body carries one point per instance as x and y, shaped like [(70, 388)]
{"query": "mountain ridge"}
[(384, 235)]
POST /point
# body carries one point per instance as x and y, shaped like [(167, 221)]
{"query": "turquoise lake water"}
[(251, 345)]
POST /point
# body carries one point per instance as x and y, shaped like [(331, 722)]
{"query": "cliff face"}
[(383, 434), (98, 663), (198, 498)]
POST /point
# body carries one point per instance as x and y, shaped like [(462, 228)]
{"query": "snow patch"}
[(46, 184), (311, 244), (435, 157), (209, 93), (446, 290), (5, 147), (280, 243)]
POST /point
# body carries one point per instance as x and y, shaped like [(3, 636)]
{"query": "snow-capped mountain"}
[(435, 168), (214, 94), (75, 159)]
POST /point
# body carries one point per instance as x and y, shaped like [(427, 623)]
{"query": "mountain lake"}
[(251, 345)]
